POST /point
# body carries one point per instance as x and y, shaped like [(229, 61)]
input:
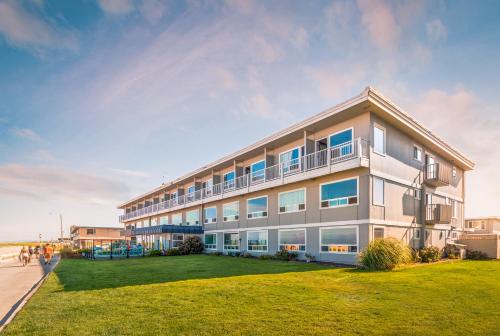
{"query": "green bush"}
[(310, 257), (385, 254), (265, 257), (173, 252), (286, 255), (191, 245), (476, 255), (430, 254), (67, 252), (154, 253), (217, 254), (246, 255)]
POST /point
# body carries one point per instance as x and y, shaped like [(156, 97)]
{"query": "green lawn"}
[(208, 295)]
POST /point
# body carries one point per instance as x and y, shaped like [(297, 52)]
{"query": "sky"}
[(103, 100)]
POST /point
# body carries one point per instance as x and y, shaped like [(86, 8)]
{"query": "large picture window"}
[(339, 193), (258, 171), (177, 219), (231, 241), (257, 207), (257, 240), (231, 211), (193, 217), (210, 241), (341, 143), (339, 240), (292, 240), (291, 201), (210, 215)]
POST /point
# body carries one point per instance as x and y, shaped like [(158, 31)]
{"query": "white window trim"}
[(267, 240), (377, 125), (172, 218), (229, 172), (211, 249), (377, 227), (232, 220), (191, 186), (321, 229), (289, 191), (305, 239), (343, 205), (224, 241), (288, 150), (373, 191), (346, 129), (210, 207), (267, 207), (421, 153), (197, 210)]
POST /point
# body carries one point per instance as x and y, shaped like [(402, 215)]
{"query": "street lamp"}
[(61, 223)]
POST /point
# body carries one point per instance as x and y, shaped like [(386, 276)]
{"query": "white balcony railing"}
[(330, 156)]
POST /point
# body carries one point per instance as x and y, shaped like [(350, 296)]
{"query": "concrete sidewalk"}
[(16, 282)]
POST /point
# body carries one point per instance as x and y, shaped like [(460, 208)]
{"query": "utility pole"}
[(60, 218)]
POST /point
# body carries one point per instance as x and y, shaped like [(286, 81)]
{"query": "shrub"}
[(246, 255), (451, 252), (286, 255), (173, 252), (192, 245), (265, 257), (430, 254), (217, 254), (476, 255), (385, 254), (67, 252), (310, 257), (154, 253)]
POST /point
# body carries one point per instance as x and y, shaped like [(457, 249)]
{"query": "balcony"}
[(438, 214), (437, 175), (168, 228), (352, 154)]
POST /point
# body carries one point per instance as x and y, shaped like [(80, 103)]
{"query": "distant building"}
[(483, 224), (84, 236)]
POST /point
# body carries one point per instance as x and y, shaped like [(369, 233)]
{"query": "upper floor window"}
[(258, 171), (163, 220), (191, 189), (378, 191), (192, 217), (339, 193), (379, 139), (291, 201), (417, 153), (231, 211), (341, 143), (257, 207), (454, 171), (210, 215), (177, 219), (91, 231), (229, 180), (289, 160)]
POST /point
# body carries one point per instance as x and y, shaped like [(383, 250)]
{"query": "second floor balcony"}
[(437, 174), (438, 214), (348, 155)]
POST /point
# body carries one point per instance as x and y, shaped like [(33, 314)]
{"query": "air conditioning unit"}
[(214, 220), (249, 215), (236, 217), (302, 206), (225, 219), (282, 209), (324, 204), (264, 213), (205, 220)]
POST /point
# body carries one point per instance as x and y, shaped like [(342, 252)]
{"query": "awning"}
[(194, 229)]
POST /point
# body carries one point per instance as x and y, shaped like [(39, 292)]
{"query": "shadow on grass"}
[(81, 274)]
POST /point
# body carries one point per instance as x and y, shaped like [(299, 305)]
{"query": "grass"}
[(208, 295)]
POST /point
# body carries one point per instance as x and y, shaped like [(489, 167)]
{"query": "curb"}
[(16, 308)]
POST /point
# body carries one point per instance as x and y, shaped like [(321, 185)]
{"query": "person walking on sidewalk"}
[(48, 251)]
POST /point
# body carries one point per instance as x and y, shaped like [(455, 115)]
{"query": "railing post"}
[(360, 148)]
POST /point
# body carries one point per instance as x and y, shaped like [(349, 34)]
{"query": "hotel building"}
[(326, 186)]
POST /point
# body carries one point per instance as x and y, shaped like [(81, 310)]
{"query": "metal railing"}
[(438, 213), (437, 173), (357, 148)]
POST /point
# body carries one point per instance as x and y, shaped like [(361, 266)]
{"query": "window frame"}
[(267, 207), (224, 241), (342, 205), (378, 227), (261, 171), (233, 180), (383, 129), (421, 153), (177, 240), (231, 220), (205, 244), (212, 218), (416, 233), (328, 139), (173, 216), (190, 211), (373, 191), (321, 229), (289, 191), (298, 250), (267, 240), (288, 170)]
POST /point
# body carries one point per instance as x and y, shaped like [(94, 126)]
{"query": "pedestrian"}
[(47, 253), (24, 256)]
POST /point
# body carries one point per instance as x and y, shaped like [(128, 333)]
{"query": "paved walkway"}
[(16, 281)]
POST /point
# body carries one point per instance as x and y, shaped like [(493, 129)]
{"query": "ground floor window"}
[(292, 240), (210, 241), (378, 233), (177, 239), (231, 241), (339, 240), (257, 240)]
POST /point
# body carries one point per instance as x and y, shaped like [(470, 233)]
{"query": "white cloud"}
[(116, 7), (378, 18), (153, 10), (130, 173), (436, 31), (55, 183), (26, 133), (334, 81), (23, 29)]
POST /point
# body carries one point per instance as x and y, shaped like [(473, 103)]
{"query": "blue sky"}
[(101, 100)]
